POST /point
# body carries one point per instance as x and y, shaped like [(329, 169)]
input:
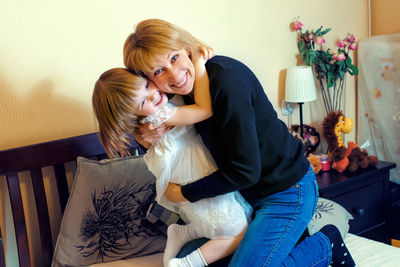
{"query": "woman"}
[(253, 149)]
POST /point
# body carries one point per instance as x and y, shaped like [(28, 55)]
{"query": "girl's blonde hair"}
[(154, 37), (113, 101)]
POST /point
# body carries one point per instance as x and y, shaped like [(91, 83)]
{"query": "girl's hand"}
[(174, 194), (146, 134), (207, 52), (199, 64)]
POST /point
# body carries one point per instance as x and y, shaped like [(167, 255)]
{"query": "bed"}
[(365, 252), (58, 155)]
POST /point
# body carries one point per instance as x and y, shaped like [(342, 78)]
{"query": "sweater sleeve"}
[(237, 139)]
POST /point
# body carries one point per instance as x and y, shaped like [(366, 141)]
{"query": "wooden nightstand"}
[(365, 194)]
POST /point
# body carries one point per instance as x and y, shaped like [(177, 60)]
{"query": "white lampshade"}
[(300, 86)]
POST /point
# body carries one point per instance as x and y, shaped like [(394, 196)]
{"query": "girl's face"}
[(173, 72), (149, 99)]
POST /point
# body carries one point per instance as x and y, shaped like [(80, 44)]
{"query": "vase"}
[(328, 99), (333, 97)]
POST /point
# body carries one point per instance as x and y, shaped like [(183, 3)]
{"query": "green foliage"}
[(329, 67)]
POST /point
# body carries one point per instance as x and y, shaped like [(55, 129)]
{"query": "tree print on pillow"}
[(323, 207), (118, 214)]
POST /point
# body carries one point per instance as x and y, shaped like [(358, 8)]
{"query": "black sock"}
[(340, 254)]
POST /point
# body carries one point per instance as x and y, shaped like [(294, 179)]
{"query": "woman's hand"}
[(146, 134), (174, 194)]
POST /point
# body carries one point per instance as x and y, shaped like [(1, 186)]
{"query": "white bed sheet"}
[(370, 253), (365, 252)]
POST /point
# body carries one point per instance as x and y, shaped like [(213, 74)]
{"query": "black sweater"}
[(252, 147)]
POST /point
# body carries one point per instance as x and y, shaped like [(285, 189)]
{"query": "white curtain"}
[(379, 98)]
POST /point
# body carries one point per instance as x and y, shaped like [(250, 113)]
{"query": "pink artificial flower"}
[(353, 46), (297, 25), (345, 43), (340, 44), (319, 40), (339, 57), (350, 38)]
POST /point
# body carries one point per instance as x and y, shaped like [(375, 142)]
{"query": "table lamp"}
[(300, 88)]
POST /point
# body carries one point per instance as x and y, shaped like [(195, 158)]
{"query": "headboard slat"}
[(43, 216), (62, 185), (2, 258), (19, 220)]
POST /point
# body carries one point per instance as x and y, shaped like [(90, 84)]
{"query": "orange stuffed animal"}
[(315, 163)]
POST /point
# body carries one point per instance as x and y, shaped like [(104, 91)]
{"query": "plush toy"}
[(315, 163), (349, 158), (359, 158), (311, 138), (334, 125), (340, 157)]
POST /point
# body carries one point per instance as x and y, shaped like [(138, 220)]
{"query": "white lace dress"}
[(181, 157)]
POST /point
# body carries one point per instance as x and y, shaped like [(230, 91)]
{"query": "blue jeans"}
[(279, 222)]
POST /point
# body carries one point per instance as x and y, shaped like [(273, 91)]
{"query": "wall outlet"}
[(287, 108)]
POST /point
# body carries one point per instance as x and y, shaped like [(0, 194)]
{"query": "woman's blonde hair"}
[(154, 37), (113, 102)]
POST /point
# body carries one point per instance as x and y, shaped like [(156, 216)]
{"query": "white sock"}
[(194, 259), (177, 236)]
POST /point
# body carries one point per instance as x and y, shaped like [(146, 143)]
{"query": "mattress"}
[(365, 252)]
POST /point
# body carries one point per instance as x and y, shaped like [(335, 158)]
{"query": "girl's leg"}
[(177, 236), (280, 220), (216, 249), (210, 252), (196, 244)]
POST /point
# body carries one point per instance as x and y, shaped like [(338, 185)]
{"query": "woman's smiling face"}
[(173, 72), (149, 99)]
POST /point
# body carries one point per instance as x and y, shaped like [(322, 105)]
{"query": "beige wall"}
[(52, 52), (385, 17)]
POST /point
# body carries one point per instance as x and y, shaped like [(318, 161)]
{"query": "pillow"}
[(329, 212), (105, 217)]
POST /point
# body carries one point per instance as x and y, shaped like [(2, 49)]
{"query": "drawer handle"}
[(359, 212)]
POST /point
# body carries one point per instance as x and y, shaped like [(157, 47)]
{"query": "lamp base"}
[(301, 118)]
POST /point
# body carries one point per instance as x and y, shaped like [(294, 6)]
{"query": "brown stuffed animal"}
[(334, 125), (359, 158), (352, 158), (311, 138), (340, 161)]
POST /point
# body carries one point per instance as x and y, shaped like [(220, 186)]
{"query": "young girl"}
[(120, 100)]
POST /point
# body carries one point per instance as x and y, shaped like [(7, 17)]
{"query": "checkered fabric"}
[(160, 216)]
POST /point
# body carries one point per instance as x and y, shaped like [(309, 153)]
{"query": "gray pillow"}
[(329, 212), (105, 217)]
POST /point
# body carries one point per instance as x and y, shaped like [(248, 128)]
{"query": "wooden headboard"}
[(33, 158)]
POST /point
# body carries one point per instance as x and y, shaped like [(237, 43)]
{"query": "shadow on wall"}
[(40, 115), (281, 87)]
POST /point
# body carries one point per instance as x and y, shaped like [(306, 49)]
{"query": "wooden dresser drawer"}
[(365, 194), (365, 204)]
